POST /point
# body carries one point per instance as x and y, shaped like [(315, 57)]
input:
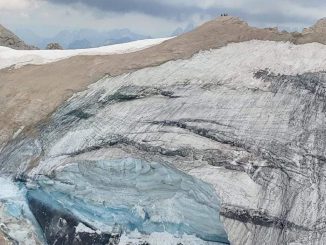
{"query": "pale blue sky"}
[(153, 17)]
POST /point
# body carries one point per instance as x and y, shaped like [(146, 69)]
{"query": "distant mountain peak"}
[(83, 38), (181, 30)]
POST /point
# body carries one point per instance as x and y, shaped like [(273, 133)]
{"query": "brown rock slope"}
[(9, 39), (31, 93)]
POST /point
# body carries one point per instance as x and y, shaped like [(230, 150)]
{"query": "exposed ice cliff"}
[(247, 119), (127, 195), (119, 201)]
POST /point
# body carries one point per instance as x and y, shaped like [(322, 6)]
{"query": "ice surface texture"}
[(252, 127), (93, 202), (135, 195)]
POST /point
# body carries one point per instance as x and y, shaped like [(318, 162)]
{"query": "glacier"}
[(134, 195), (97, 202), (250, 128), (16, 219)]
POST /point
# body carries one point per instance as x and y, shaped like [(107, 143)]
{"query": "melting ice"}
[(122, 201)]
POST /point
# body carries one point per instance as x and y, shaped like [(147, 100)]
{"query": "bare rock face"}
[(319, 27), (54, 46), (315, 33), (9, 39)]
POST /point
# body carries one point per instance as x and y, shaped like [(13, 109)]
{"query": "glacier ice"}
[(16, 220), (132, 195)]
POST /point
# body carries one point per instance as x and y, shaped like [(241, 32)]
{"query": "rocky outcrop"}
[(319, 27), (316, 33), (9, 39), (54, 46)]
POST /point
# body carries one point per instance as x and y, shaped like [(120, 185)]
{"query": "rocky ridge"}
[(9, 39)]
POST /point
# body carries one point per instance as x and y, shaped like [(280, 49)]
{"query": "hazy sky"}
[(153, 17)]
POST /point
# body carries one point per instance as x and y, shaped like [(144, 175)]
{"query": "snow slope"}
[(9, 57)]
